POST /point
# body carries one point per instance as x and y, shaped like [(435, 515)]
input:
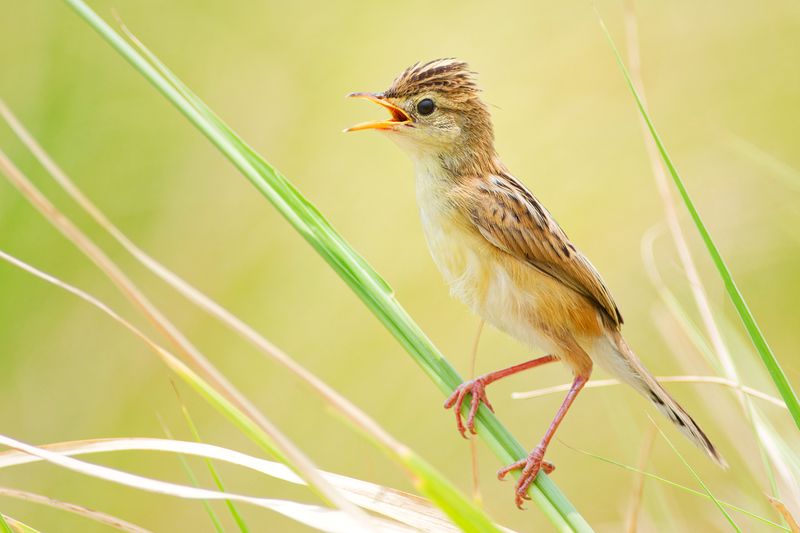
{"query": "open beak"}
[(398, 115)]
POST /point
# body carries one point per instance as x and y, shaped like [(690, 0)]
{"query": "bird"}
[(503, 254)]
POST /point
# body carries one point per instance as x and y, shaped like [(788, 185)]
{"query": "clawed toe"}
[(477, 389), (530, 467)]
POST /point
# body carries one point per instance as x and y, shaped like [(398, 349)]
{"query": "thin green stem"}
[(773, 367), (677, 486), (237, 517)]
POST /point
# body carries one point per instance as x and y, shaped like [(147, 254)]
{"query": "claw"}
[(477, 389), (530, 467)]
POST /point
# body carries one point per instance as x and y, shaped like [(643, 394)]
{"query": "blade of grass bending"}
[(353, 269), (697, 477), (212, 515), (773, 367), (265, 434), (721, 358), (598, 383), (260, 428), (237, 517), (408, 509), (245, 424), (781, 466), (361, 420), (637, 494), (677, 486), (318, 517), (91, 514)]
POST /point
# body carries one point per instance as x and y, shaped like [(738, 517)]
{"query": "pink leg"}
[(476, 387), (534, 462)]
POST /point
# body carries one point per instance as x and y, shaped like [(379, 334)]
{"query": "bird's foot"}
[(530, 467), (476, 388)]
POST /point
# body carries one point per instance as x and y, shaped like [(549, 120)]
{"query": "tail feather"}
[(631, 371)]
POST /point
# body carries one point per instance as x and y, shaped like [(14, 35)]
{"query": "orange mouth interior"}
[(399, 116)]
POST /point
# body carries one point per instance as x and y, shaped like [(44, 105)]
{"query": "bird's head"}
[(436, 114)]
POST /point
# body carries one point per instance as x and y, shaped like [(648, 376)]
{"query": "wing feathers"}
[(511, 219)]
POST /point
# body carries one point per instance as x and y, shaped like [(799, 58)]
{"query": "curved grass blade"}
[(780, 463), (773, 367), (348, 264), (97, 516), (678, 486), (321, 518), (720, 358), (237, 517), (212, 515), (232, 403), (697, 477), (599, 383), (400, 506)]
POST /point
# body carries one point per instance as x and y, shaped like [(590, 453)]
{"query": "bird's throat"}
[(457, 162)]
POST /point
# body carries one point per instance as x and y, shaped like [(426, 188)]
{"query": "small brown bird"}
[(503, 254)]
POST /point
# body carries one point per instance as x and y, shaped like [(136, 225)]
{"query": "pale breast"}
[(448, 238), (477, 273), (512, 296)]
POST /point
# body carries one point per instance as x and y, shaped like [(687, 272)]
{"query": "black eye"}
[(426, 106)]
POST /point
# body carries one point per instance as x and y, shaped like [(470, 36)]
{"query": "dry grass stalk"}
[(304, 465), (712, 380), (632, 521), (97, 516)]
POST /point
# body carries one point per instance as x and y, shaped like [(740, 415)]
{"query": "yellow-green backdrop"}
[(723, 85)]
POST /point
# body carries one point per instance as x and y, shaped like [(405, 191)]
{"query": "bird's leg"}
[(535, 461), (476, 387)]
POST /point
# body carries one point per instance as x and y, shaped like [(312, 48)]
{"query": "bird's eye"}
[(426, 106)]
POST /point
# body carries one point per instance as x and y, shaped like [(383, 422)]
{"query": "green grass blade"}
[(237, 517), (773, 367), (353, 269), (246, 425), (679, 486), (461, 510), (275, 178), (698, 478), (212, 515), (16, 526), (4, 527), (271, 435)]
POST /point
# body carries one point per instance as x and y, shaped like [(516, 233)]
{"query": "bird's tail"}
[(631, 371)]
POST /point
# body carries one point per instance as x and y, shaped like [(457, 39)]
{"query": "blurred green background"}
[(723, 85)]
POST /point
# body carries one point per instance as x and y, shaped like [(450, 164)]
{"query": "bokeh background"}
[(723, 85)]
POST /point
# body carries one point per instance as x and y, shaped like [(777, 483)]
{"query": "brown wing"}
[(510, 217)]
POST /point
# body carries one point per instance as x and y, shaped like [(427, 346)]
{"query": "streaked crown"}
[(448, 75)]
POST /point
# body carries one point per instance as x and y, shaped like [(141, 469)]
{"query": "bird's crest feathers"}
[(448, 75)]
